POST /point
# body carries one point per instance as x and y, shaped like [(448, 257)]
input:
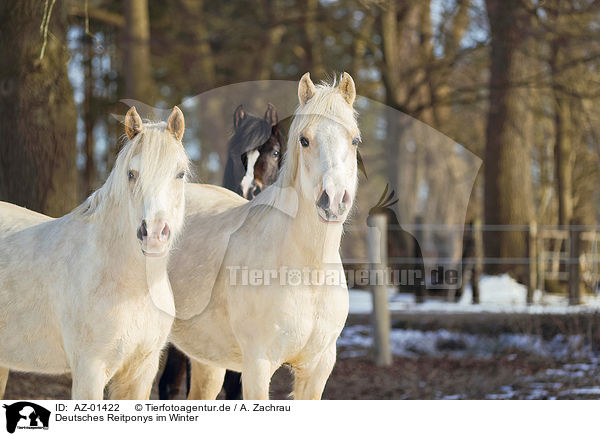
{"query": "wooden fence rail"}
[(562, 261)]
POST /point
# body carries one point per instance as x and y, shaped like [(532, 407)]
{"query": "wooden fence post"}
[(532, 264), (541, 275), (574, 270), (478, 265), (380, 317), (417, 257)]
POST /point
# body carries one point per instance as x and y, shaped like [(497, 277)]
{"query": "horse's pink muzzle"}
[(154, 238), (333, 208)]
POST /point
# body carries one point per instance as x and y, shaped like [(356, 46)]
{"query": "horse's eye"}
[(303, 141), (132, 175), (181, 175), (356, 141), (275, 153)]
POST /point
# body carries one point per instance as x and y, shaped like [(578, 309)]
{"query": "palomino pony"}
[(88, 293), (254, 159), (295, 224)]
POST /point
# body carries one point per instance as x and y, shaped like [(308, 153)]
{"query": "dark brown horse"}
[(259, 142)]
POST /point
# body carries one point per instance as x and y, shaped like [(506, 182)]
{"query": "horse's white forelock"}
[(159, 153), (328, 103)]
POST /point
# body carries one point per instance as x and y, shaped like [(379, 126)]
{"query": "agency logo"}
[(26, 415)]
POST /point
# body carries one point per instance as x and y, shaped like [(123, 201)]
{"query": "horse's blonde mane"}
[(160, 152)]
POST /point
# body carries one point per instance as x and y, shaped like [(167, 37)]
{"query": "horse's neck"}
[(118, 243), (116, 235), (318, 241)]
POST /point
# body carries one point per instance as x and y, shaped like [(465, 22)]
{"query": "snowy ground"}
[(555, 384), (496, 293), (356, 340), (566, 366), (452, 365)]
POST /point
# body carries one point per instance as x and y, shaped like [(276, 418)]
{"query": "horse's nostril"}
[(142, 231), (346, 198), (166, 232), (323, 202)]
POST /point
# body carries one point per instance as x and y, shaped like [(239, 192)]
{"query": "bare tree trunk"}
[(311, 44), (37, 111), (507, 171), (563, 161), (263, 60), (400, 24), (89, 172), (196, 22), (438, 79), (573, 169), (563, 150), (137, 63)]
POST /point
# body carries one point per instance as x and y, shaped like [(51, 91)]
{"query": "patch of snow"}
[(546, 385), (508, 394), (537, 394), (564, 373), (454, 397), (500, 290), (550, 383), (591, 390), (579, 366), (498, 294), (412, 343)]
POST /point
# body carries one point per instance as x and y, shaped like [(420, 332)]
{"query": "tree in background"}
[(37, 111), (507, 164), (137, 67), (571, 32)]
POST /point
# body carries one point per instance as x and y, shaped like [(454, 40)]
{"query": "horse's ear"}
[(306, 89), (176, 123), (347, 88), (239, 115), (271, 117), (133, 123)]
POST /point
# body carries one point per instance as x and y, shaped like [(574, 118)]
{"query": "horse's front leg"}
[(206, 381), (3, 380), (311, 377), (89, 379), (134, 380), (256, 377)]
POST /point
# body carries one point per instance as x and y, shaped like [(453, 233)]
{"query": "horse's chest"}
[(294, 320), (326, 317), (143, 330)]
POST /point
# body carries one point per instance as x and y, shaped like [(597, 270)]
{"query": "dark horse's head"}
[(255, 152)]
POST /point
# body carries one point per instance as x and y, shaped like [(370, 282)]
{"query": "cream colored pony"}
[(88, 293), (294, 224)]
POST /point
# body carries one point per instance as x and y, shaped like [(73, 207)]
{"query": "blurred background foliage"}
[(516, 82)]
